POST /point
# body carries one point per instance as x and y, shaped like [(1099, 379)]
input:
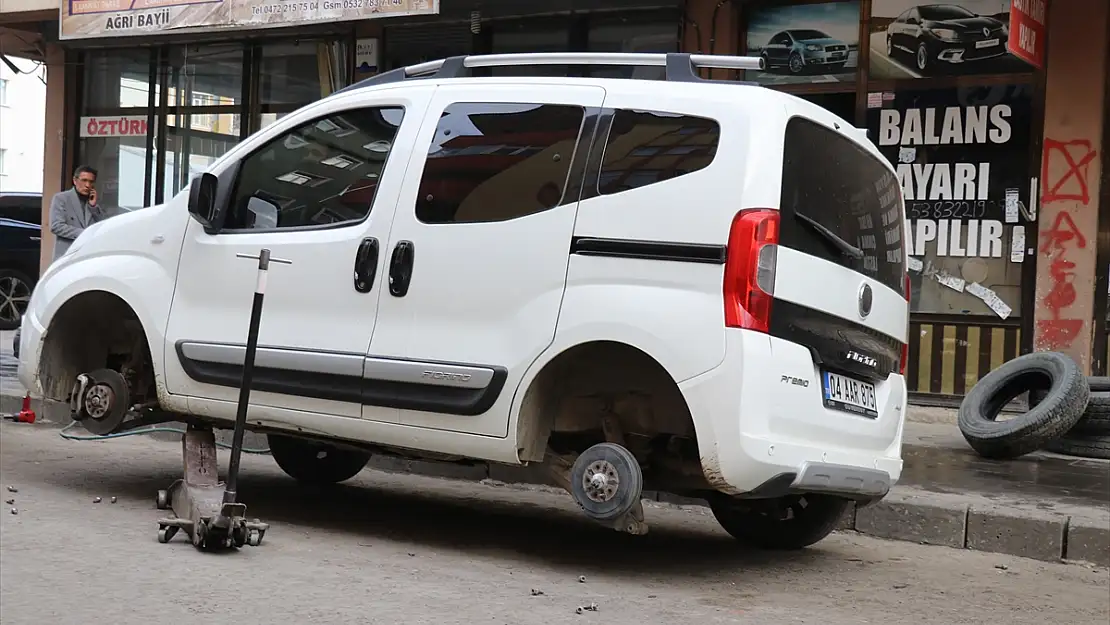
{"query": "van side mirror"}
[(202, 202)]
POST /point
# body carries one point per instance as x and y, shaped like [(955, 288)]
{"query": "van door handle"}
[(400, 268), (366, 264)]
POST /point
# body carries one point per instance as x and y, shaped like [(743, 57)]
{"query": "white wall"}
[(22, 126)]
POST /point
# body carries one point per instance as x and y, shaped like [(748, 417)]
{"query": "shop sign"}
[(1027, 28), (113, 126), (117, 18), (808, 43), (366, 55), (913, 39), (962, 160)]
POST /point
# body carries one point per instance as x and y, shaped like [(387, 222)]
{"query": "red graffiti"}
[(1063, 231), (1060, 331), (1064, 153)]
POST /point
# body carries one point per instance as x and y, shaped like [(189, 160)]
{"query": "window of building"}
[(497, 161), (300, 72), (320, 173), (646, 147), (115, 79), (631, 33)]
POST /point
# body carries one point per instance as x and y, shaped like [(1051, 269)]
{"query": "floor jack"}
[(206, 509)]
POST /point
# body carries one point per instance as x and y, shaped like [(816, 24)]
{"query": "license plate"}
[(849, 395), (986, 43)]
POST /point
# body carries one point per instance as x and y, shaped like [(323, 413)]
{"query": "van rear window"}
[(834, 189)]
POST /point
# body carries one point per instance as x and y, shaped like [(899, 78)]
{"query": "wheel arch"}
[(80, 306), (555, 394)]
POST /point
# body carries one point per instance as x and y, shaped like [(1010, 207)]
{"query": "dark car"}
[(946, 33), (20, 237), (803, 49)]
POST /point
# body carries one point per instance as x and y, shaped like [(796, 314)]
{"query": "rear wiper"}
[(841, 245)]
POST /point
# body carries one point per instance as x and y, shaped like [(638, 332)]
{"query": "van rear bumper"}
[(760, 437)]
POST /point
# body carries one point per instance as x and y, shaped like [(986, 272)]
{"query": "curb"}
[(964, 521)]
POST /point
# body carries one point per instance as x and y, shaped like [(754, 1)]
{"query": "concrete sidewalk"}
[(1043, 505)]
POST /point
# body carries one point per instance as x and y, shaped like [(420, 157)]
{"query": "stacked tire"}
[(1069, 413), (1090, 436)]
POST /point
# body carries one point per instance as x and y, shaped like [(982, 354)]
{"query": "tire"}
[(801, 520), (795, 64), (15, 294), (1096, 418), (921, 59), (1082, 447), (302, 460), (1062, 407), (1099, 383)]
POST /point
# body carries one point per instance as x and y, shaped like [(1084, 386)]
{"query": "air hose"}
[(149, 430)]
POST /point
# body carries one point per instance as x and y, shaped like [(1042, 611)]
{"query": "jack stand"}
[(199, 501), (204, 507)]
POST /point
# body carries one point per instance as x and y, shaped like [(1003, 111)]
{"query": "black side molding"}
[(649, 250), (466, 402)]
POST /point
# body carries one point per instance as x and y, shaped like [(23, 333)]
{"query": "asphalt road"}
[(395, 549)]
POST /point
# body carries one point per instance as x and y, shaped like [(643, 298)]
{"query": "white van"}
[(689, 286)]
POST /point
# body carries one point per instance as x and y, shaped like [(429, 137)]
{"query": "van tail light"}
[(750, 269), (906, 346)]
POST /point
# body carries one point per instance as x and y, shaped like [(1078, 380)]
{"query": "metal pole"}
[(248, 372)]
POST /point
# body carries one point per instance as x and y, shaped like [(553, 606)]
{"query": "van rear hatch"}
[(840, 281)]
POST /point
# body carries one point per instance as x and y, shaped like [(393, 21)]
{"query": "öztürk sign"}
[(117, 126)]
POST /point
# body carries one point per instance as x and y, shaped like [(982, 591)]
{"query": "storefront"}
[(151, 115), (958, 117), (963, 121)]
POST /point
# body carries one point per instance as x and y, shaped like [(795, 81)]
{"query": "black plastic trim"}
[(465, 402), (830, 339), (649, 250)]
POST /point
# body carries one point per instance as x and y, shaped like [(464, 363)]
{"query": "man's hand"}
[(92, 197)]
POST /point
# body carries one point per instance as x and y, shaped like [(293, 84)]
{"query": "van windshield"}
[(841, 203)]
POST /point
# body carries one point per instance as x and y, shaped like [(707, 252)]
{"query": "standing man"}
[(74, 210)]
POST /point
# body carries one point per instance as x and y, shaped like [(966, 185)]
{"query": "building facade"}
[(22, 125), (1000, 157)]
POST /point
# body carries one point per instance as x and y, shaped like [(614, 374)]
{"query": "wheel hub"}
[(98, 400), (601, 481)]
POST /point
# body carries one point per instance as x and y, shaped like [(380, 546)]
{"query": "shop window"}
[(646, 147), (531, 37), (632, 35), (302, 72), (212, 71), (963, 162), (494, 161), (116, 79), (322, 172)]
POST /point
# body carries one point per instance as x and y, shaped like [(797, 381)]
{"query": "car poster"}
[(915, 39), (809, 43)]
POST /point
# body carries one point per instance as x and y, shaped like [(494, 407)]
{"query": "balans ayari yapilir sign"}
[(85, 19)]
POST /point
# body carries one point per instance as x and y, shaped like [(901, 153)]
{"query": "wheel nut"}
[(13, 489), (14, 511), (581, 579), (9, 501), (113, 500), (97, 500)]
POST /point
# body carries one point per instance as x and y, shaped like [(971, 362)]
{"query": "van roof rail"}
[(680, 66)]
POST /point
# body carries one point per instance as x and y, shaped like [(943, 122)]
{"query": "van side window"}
[(646, 147), (498, 161), (322, 172)]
